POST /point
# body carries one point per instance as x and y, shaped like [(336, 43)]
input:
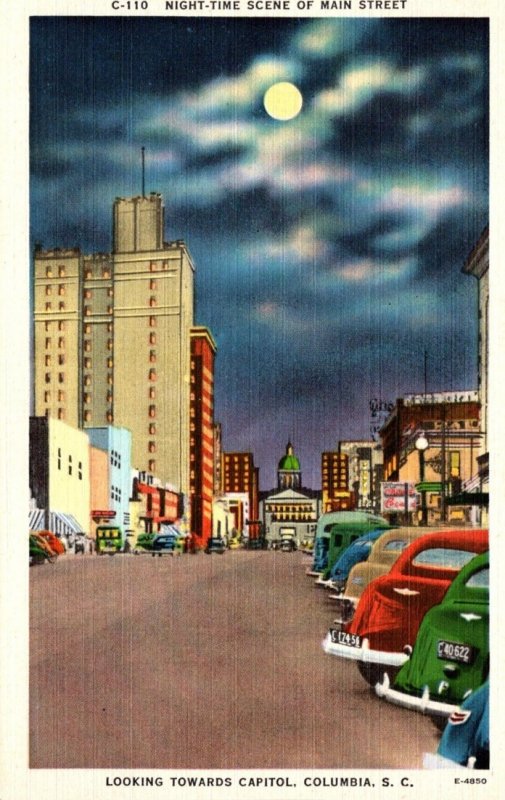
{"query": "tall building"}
[(203, 351), (335, 493), (241, 478), (112, 338)]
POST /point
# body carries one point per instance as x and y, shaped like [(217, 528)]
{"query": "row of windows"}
[(87, 327), (87, 378), (88, 273), (115, 458), (87, 345), (49, 341), (88, 294), (87, 397), (88, 310), (70, 464), (115, 494), (60, 413), (60, 397), (61, 377), (61, 360), (61, 325), (61, 290), (61, 306), (61, 271)]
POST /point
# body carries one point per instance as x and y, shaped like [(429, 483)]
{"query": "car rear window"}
[(443, 557), (396, 544), (479, 579)]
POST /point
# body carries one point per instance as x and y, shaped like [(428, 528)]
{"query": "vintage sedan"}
[(215, 545), (383, 554), (451, 653), (384, 628)]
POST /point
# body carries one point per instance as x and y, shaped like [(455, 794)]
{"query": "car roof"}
[(462, 539)]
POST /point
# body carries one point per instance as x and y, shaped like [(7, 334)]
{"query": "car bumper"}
[(424, 704), (363, 653)]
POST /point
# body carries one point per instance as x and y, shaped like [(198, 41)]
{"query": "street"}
[(200, 662)]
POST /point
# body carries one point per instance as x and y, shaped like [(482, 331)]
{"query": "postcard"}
[(251, 352)]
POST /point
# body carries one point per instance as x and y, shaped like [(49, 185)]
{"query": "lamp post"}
[(421, 446)]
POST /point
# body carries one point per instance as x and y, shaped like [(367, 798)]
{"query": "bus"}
[(109, 539)]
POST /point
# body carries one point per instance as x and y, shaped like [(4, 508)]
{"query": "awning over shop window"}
[(59, 523)]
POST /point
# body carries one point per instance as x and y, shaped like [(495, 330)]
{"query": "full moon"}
[(283, 101)]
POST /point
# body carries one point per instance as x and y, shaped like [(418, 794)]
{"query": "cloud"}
[(325, 38), (296, 246)]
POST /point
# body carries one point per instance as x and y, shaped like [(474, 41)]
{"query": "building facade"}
[(112, 337), (59, 472), (201, 424), (117, 443), (241, 477)]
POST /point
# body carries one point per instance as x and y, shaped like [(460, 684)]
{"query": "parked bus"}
[(109, 539)]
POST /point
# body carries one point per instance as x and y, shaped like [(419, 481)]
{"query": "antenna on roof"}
[(143, 172)]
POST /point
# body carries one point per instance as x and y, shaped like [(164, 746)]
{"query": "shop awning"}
[(468, 499), (59, 523)]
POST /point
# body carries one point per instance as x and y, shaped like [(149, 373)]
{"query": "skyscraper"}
[(112, 337)]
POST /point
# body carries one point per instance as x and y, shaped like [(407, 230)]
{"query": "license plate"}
[(341, 637), (452, 651)]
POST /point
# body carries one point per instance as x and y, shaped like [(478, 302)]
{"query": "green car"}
[(450, 658)]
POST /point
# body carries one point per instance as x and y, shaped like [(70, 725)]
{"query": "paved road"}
[(200, 662)]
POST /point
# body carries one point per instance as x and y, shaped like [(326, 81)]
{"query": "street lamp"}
[(421, 446)]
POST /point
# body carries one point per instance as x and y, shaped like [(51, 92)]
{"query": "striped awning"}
[(59, 523)]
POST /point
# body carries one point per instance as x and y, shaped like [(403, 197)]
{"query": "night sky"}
[(329, 247)]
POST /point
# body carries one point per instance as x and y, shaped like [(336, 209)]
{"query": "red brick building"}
[(336, 495), (201, 426), (240, 476)]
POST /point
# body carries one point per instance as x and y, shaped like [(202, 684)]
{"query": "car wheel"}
[(372, 673)]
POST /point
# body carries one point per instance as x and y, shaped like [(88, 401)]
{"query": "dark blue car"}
[(358, 551)]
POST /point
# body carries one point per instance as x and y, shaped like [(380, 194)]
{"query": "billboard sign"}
[(398, 496)]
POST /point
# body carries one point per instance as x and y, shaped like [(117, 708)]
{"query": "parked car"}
[(170, 542), (288, 544), (383, 554), (327, 522), (40, 550), (109, 539), (215, 545), (53, 541), (341, 537), (450, 658), (358, 551), (384, 627), (465, 740), (145, 541), (259, 543)]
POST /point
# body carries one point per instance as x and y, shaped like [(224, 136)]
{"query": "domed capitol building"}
[(290, 510)]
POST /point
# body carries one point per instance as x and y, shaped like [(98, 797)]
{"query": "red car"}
[(385, 625)]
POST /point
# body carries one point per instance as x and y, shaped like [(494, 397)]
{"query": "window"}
[(86, 397), (152, 411), (87, 328), (443, 557), (61, 271), (61, 397), (48, 342), (152, 302), (48, 361), (61, 359), (49, 291), (70, 465), (61, 377), (109, 309), (152, 447), (106, 272), (109, 344), (88, 274), (152, 356), (152, 428), (152, 338), (87, 363), (87, 416), (59, 457), (61, 413), (61, 306), (454, 463), (48, 306), (61, 342), (109, 327), (87, 345), (109, 416), (109, 379), (479, 579), (49, 272), (110, 292), (87, 380), (152, 322), (61, 325), (152, 392), (47, 397), (48, 377), (47, 326), (61, 290), (152, 375), (87, 311), (110, 363)]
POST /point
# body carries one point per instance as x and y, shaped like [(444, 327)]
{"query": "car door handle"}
[(405, 591)]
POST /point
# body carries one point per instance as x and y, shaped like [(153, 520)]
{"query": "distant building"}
[(59, 472), (336, 495), (365, 471), (477, 265), (117, 443), (203, 351), (290, 511), (241, 478)]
